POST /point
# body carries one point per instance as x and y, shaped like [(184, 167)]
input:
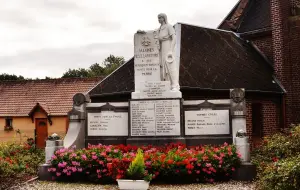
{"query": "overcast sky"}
[(46, 37)]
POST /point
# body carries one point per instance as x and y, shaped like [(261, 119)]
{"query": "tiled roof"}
[(18, 98), (216, 59), (255, 16), (209, 59)]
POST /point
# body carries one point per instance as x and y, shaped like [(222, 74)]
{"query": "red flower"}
[(170, 161), (275, 159), (189, 166)]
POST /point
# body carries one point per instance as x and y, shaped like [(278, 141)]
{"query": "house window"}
[(257, 120), (8, 122)]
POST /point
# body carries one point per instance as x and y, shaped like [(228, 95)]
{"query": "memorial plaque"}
[(107, 123), (155, 118), (146, 58), (154, 89), (207, 122)]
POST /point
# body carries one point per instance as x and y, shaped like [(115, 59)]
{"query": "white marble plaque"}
[(207, 122), (155, 118), (146, 58), (154, 89), (107, 123)]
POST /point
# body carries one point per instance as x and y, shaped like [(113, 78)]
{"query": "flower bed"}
[(105, 164), (18, 161)]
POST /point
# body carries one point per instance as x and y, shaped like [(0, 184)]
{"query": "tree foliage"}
[(5, 77), (110, 64)]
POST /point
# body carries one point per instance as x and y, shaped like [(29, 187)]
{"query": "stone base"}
[(105, 141), (196, 141), (246, 172), (168, 94), (43, 173), (155, 141)]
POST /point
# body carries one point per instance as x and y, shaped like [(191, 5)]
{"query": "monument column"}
[(155, 115)]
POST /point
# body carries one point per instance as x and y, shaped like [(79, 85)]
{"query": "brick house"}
[(39, 106), (273, 26), (256, 47)]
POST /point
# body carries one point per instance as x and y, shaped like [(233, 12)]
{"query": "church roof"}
[(248, 16), (209, 59)]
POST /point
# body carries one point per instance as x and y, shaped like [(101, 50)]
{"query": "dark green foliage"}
[(278, 161), (5, 76), (110, 64)]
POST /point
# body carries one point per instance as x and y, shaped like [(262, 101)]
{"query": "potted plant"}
[(136, 177), (8, 128)]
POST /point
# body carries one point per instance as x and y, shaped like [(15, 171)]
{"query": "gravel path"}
[(39, 185)]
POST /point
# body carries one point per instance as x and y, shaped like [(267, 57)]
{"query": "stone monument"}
[(155, 108), (155, 63)]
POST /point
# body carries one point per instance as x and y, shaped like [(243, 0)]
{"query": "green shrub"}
[(277, 160), (284, 174), (17, 160), (136, 170)]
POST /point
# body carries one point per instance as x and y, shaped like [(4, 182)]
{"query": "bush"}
[(17, 160), (284, 174), (102, 163), (277, 160)]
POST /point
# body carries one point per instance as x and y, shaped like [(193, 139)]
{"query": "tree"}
[(110, 64), (96, 70), (5, 76), (81, 73)]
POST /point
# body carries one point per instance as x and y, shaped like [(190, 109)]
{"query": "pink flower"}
[(198, 172), (211, 180), (239, 155), (101, 162), (208, 165), (74, 169), (148, 163), (53, 157), (74, 163), (225, 144), (65, 170), (79, 169), (222, 154), (98, 171), (94, 157), (189, 172), (84, 157), (103, 154), (69, 173), (233, 169), (58, 174), (73, 155), (116, 151), (62, 164)]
